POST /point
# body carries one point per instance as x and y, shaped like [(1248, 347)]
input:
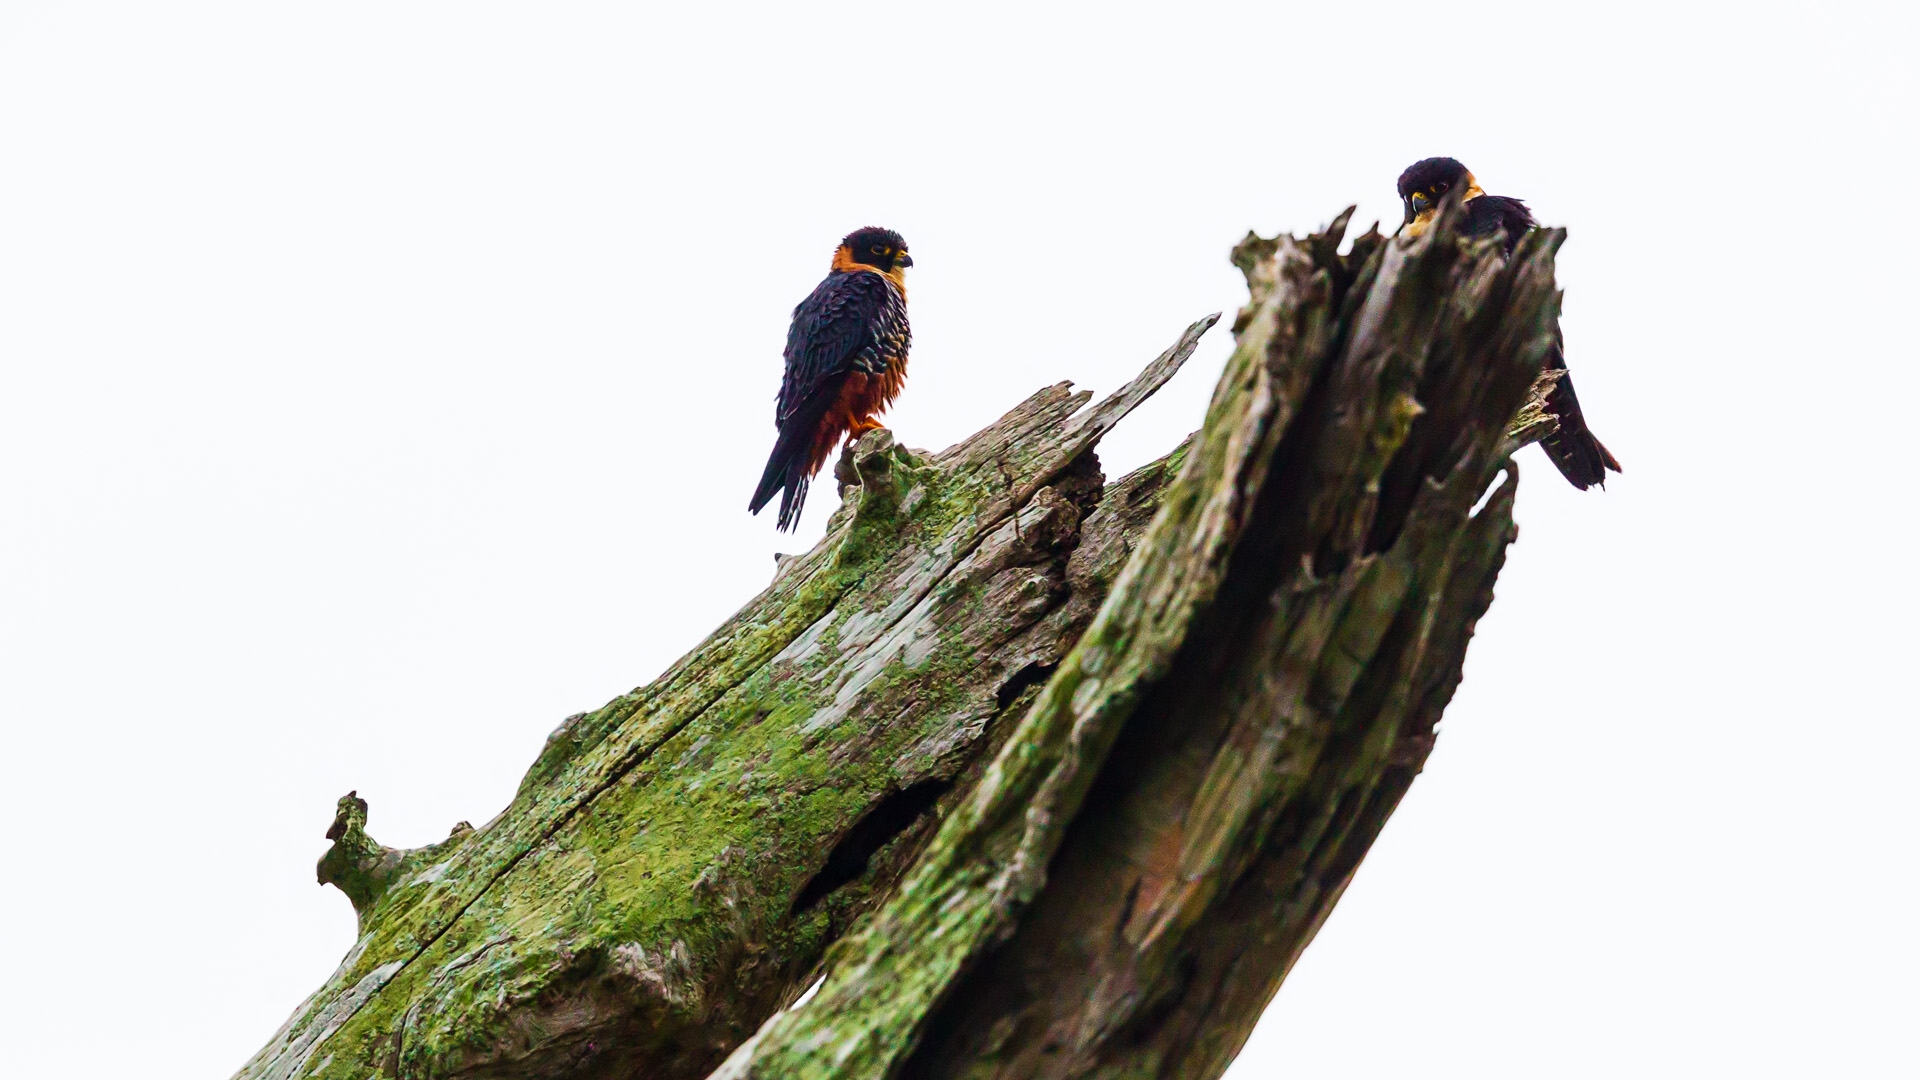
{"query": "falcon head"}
[(1425, 183), (882, 249)]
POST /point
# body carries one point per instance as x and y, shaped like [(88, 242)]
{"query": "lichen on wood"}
[(1018, 772), (675, 863), (1185, 801)]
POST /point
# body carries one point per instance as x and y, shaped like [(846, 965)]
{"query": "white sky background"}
[(380, 383)]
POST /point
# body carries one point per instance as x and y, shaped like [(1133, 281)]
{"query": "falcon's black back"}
[(1493, 215)]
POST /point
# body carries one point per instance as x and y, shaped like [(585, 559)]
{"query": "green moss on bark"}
[(635, 903)]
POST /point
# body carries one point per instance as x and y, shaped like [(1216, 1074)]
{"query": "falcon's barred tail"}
[(1573, 450), (791, 475), (785, 470), (791, 464)]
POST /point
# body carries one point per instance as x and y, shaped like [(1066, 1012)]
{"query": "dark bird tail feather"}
[(1580, 457), (786, 472), (789, 476), (789, 466)]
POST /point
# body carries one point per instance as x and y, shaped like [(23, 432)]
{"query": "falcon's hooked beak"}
[(904, 260), (1417, 204), (1422, 205)]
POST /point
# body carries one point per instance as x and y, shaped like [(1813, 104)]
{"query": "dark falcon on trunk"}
[(846, 361), (1572, 448)]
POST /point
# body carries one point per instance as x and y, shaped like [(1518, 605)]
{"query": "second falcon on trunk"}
[(1572, 448)]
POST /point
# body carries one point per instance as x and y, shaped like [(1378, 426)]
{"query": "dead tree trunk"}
[(1023, 774)]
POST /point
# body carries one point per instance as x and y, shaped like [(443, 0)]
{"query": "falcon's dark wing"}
[(835, 330), (848, 324), (1493, 215), (1572, 448)]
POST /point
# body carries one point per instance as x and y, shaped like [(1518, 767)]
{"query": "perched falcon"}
[(846, 361), (1572, 448)]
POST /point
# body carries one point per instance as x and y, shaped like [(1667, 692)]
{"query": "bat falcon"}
[(1572, 448), (846, 361)]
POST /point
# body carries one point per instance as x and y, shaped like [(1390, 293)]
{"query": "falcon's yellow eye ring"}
[(879, 251)]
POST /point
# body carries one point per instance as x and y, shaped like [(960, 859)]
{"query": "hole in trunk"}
[(893, 815), (1031, 675)]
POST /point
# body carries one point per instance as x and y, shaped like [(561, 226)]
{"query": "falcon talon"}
[(846, 360)]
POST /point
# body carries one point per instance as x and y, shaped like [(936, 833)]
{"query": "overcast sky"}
[(382, 382)]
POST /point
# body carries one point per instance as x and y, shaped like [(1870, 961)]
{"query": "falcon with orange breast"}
[(846, 362)]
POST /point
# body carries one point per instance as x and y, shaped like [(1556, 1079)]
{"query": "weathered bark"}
[(1024, 774)]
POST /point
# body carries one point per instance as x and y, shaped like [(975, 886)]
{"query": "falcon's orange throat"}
[(843, 262)]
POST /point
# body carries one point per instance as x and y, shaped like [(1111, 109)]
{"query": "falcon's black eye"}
[(1439, 189), (879, 251)]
